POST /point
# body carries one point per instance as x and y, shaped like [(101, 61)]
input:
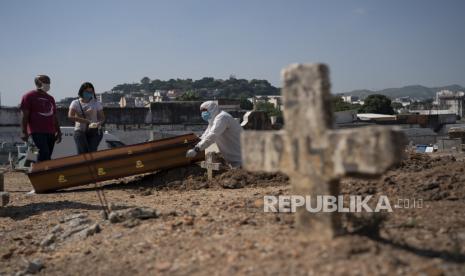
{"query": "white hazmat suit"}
[(223, 130)]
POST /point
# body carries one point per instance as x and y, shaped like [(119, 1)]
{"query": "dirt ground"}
[(219, 228)]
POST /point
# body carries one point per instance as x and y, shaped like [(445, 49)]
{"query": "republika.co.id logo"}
[(329, 203)]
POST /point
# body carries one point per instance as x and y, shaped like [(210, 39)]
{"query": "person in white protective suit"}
[(223, 130)]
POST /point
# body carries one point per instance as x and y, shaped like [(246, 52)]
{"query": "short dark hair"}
[(39, 79), (83, 87)]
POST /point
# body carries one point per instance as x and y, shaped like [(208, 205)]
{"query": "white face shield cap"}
[(211, 107)]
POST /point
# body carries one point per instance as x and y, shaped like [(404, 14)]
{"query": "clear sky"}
[(372, 44)]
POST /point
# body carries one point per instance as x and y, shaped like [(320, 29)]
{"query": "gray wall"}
[(160, 113)]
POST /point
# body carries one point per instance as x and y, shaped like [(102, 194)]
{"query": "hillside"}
[(206, 87), (414, 91)]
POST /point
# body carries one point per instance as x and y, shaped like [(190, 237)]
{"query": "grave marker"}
[(313, 155), (209, 165)]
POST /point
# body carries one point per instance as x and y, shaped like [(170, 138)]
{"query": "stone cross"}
[(313, 155), (209, 165)]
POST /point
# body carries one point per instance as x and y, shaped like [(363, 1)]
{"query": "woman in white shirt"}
[(87, 113)]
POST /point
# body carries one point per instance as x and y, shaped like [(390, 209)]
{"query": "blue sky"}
[(372, 44)]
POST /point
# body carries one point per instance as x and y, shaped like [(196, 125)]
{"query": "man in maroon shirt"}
[(39, 118)]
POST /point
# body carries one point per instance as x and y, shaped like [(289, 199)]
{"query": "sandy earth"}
[(219, 227)]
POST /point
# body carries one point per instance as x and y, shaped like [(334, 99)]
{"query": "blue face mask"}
[(87, 95), (206, 115)]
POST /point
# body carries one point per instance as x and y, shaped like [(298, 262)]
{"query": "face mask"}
[(88, 96), (45, 87), (206, 115)]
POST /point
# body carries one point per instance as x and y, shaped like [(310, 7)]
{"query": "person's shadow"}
[(25, 211)]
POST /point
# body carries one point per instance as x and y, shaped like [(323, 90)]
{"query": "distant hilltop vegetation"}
[(413, 91), (207, 86)]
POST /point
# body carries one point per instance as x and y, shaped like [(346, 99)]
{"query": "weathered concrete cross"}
[(209, 165), (313, 155)]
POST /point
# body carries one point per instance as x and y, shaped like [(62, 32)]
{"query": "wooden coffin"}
[(113, 163)]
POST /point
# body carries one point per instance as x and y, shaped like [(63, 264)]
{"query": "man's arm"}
[(24, 122), (218, 127)]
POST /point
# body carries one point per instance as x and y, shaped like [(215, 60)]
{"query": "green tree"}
[(377, 104), (145, 81), (396, 106), (246, 104), (269, 108), (189, 96), (338, 104)]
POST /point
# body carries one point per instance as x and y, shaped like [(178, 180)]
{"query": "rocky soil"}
[(177, 222)]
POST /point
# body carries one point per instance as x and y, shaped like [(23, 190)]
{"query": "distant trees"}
[(231, 88), (396, 105), (377, 103), (338, 104), (269, 109), (188, 96), (145, 81)]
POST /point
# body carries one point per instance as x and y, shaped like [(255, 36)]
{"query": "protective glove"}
[(191, 153), (93, 125)]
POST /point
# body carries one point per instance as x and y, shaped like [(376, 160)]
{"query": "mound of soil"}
[(420, 175), (193, 177)]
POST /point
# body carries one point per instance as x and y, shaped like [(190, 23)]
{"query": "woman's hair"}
[(84, 86)]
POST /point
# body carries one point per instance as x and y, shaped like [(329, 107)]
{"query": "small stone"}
[(48, 240), (258, 203), (131, 196), (431, 185), (146, 192), (34, 266), (442, 230), (78, 221), (74, 216), (188, 220), (133, 213), (114, 217), (172, 213), (163, 266), (71, 231), (56, 229), (176, 223), (131, 223), (89, 231), (232, 183)]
